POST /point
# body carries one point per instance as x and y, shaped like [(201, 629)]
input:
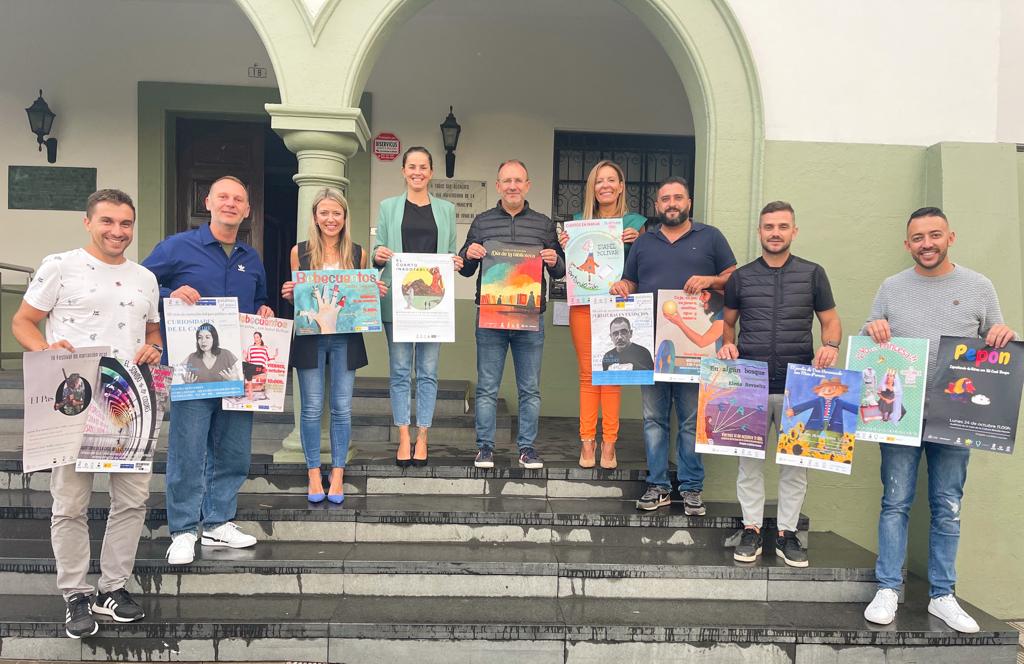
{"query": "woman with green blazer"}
[(414, 222)]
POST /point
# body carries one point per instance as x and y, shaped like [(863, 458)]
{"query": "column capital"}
[(341, 130)]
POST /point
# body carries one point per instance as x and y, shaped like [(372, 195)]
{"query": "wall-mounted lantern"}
[(40, 118), (450, 130)]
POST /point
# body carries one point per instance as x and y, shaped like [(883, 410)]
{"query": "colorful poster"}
[(423, 306), (974, 399), (622, 335), (510, 287), (336, 302), (204, 348), (689, 328), (819, 418), (123, 426), (267, 343), (594, 256), (59, 388), (893, 382), (732, 408)]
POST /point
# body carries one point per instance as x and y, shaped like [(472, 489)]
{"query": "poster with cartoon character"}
[(974, 399), (732, 407), (594, 256), (894, 378), (689, 327), (819, 418)]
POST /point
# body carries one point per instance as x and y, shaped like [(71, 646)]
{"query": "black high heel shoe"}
[(403, 463), (419, 463)]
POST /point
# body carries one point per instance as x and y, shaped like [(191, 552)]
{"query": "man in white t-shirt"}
[(94, 296)]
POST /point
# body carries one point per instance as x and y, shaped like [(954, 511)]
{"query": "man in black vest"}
[(775, 298)]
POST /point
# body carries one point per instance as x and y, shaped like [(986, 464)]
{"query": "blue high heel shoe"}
[(316, 497), (339, 498)]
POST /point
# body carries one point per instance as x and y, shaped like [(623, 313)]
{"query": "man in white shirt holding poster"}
[(94, 296)]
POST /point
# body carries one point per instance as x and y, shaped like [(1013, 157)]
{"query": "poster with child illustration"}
[(894, 378)]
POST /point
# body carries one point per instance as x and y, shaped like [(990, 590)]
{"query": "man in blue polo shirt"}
[(209, 449), (680, 254)]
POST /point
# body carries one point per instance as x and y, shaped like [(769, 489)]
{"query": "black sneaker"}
[(653, 498), (119, 605), (530, 459), (787, 547), (484, 458), (693, 504), (78, 620), (749, 547)]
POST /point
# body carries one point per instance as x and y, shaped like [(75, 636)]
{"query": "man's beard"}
[(684, 214), (775, 252)]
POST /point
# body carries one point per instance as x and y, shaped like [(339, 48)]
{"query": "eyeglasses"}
[(507, 181)]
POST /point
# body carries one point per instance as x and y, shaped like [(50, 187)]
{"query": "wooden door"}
[(210, 149)]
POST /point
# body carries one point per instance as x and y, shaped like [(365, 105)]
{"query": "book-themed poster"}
[(336, 302), (266, 344), (689, 327), (732, 407), (974, 399), (893, 385), (423, 302), (510, 282), (123, 426), (594, 256), (60, 386), (622, 336), (819, 418), (204, 348)]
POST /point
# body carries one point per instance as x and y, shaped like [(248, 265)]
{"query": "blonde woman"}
[(605, 198), (329, 247)]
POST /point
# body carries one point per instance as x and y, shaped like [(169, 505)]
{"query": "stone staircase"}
[(451, 563)]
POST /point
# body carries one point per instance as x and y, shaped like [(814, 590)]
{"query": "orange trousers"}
[(606, 397)]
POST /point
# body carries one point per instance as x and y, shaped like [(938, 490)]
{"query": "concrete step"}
[(431, 630)]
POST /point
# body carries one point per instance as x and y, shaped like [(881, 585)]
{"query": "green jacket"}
[(389, 234)]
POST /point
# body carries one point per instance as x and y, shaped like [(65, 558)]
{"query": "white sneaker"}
[(882, 609), (227, 534), (182, 550), (948, 610)]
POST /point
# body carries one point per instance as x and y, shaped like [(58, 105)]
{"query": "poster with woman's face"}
[(204, 348)]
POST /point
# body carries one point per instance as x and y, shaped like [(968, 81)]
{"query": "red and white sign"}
[(386, 147)]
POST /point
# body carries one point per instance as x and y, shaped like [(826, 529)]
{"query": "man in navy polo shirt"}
[(680, 254), (209, 449)]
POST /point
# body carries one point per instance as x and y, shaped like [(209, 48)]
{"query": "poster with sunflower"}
[(819, 418)]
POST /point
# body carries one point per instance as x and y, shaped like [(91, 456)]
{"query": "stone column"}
[(323, 140)]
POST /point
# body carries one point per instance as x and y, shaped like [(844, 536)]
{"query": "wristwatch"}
[(832, 344)]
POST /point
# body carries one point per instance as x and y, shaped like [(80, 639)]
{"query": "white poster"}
[(123, 425), (622, 336), (267, 343), (59, 388), (423, 297), (204, 348)]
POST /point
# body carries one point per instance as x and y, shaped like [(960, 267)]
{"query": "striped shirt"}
[(258, 355)]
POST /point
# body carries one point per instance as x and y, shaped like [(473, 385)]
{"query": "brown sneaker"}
[(588, 449), (608, 460)]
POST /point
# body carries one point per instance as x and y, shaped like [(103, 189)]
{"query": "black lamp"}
[(450, 131), (40, 118)]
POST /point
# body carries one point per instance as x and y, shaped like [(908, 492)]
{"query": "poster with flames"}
[(510, 285), (423, 306)]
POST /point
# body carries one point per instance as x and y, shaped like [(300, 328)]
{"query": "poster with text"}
[(60, 386), (974, 399), (594, 256), (336, 302), (622, 336), (123, 426), (204, 348), (893, 382), (423, 302), (819, 418), (732, 407), (689, 327), (510, 287), (267, 343)]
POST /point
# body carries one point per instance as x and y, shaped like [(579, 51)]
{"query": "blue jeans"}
[(491, 348), (658, 400), (947, 473), (332, 351), (220, 443), (402, 357)]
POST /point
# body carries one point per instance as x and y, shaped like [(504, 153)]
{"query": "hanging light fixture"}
[(40, 119), (450, 130)]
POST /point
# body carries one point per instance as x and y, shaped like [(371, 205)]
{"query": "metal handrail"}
[(10, 355)]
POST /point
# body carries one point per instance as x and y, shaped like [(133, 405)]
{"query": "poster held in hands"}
[(819, 418), (423, 302), (622, 335), (732, 408), (594, 257), (893, 385), (510, 284), (689, 327), (267, 343), (204, 348), (336, 302)]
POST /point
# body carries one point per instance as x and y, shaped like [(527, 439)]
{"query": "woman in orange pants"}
[(605, 198)]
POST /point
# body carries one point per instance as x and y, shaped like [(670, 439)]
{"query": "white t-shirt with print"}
[(92, 303)]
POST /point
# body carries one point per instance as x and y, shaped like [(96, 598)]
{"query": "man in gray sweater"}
[(931, 299)]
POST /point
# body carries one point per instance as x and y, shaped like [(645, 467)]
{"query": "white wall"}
[(515, 72), (1010, 123), (88, 58)]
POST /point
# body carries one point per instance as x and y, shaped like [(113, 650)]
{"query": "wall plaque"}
[(49, 187), (468, 196)]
